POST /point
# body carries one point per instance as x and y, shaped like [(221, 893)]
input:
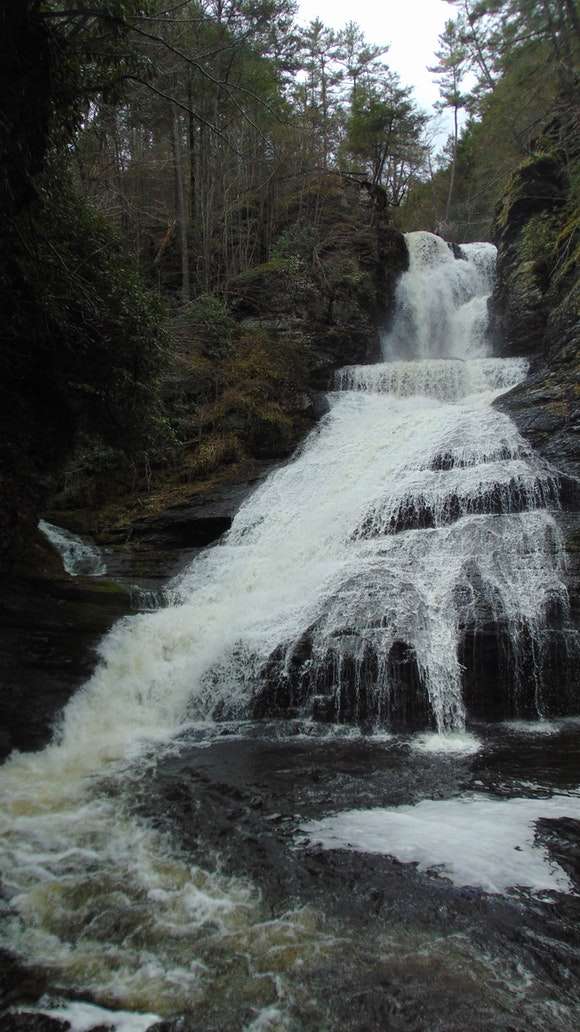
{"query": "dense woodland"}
[(164, 164)]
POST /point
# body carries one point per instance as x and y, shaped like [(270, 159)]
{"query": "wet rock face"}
[(535, 311), (501, 681), (520, 305), (344, 686), (50, 627)]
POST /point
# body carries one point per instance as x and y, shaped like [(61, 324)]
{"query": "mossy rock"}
[(539, 185)]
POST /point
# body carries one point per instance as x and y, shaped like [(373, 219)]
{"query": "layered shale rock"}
[(536, 310)]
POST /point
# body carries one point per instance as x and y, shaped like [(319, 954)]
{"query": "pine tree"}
[(452, 58)]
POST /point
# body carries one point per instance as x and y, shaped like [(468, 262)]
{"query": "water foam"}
[(472, 840)]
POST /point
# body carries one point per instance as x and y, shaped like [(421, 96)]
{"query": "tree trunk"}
[(193, 204), (181, 208), (453, 164)]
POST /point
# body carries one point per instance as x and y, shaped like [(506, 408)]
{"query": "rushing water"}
[(79, 556), (413, 508)]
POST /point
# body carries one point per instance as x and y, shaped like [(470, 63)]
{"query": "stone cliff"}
[(536, 311)]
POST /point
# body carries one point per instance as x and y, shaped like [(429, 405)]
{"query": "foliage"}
[(80, 341), (521, 86), (80, 329), (384, 131), (261, 381), (207, 324), (298, 241)]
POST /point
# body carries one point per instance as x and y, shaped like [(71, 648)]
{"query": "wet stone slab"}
[(246, 797)]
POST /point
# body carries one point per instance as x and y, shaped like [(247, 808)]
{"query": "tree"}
[(320, 48), (495, 30), (81, 339), (358, 58), (384, 132), (452, 58)]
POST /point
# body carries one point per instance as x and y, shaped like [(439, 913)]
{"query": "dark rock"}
[(320, 404), (342, 686), (535, 680), (26, 1021), (50, 628), (200, 521), (546, 410), (19, 984), (562, 838), (535, 311), (521, 304)]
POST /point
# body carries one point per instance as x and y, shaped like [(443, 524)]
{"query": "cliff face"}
[(536, 305), (536, 312)]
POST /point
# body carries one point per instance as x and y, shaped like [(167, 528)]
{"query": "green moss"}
[(107, 587), (568, 248), (528, 184), (538, 240), (277, 266)]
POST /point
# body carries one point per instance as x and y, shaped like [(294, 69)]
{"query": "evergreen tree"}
[(451, 67)]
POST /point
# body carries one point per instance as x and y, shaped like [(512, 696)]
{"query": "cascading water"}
[(79, 557), (351, 574)]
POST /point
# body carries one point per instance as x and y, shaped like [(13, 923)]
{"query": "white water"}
[(442, 303), (79, 557), (320, 552), (472, 840)]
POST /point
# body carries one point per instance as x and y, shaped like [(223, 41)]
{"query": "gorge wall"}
[(536, 311)]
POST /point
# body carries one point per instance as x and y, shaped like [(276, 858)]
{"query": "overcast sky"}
[(411, 27)]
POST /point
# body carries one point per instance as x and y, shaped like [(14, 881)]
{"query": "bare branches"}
[(190, 111), (194, 62)]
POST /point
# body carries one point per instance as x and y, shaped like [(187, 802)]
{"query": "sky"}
[(411, 27)]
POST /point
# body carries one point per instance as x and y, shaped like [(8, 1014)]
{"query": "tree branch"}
[(190, 111), (194, 62)]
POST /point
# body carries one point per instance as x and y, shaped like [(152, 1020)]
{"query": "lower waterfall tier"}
[(422, 570)]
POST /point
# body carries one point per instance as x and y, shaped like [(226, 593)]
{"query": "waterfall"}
[(414, 512), (79, 557)]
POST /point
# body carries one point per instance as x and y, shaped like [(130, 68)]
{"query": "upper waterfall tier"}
[(441, 305)]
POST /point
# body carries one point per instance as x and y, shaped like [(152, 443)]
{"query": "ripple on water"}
[(533, 727)]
